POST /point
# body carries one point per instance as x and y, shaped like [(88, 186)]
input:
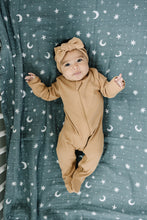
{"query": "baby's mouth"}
[(77, 73)]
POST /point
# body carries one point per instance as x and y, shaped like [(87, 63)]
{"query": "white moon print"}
[(96, 14), (44, 129), (48, 55), (19, 17), (119, 54), (87, 186), (8, 201), (57, 194), (103, 199), (29, 46), (25, 165), (138, 129), (110, 128), (29, 120), (103, 44), (131, 203), (23, 93)]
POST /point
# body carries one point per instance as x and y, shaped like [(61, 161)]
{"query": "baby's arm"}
[(41, 90), (112, 88)]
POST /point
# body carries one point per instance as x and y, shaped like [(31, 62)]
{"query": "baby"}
[(81, 89)]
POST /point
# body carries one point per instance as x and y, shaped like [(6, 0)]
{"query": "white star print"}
[(56, 11), (39, 19), (78, 33), (116, 17), (133, 42), (136, 7)]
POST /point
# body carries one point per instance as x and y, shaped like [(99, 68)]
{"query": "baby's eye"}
[(67, 64), (79, 60)]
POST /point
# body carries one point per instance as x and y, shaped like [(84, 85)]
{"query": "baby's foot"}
[(76, 185), (69, 187)]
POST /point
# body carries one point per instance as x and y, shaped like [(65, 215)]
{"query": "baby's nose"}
[(75, 66)]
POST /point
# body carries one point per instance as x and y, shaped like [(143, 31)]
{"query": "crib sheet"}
[(115, 35)]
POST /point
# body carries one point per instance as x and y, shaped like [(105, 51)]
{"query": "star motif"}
[(39, 19), (114, 207), (43, 188), (103, 181), (88, 35), (11, 81), (116, 17), (45, 157), (116, 189), (43, 112), (41, 205), (78, 33), (122, 147), (142, 110), (114, 157), (107, 111), (70, 16), (136, 7), (118, 36), (127, 166), (130, 60), (14, 183), (17, 111), (23, 55), (94, 52), (137, 185), (42, 72), (22, 128), (120, 117), (56, 11), (43, 37), (133, 42)]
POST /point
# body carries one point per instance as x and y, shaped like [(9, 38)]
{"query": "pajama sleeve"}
[(44, 92), (108, 89)]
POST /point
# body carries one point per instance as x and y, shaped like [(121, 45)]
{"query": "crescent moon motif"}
[(29, 120), (14, 130), (57, 195), (29, 46), (102, 199), (102, 44), (119, 54), (25, 165), (96, 14), (19, 17), (110, 129), (131, 203), (138, 129), (87, 186), (48, 55), (23, 93), (8, 201), (44, 129)]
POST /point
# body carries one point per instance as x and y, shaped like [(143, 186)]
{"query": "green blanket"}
[(115, 35)]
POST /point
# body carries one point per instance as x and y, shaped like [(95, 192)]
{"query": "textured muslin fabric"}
[(114, 34)]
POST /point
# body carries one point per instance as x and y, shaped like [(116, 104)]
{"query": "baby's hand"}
[(120, 81), (30, 77)]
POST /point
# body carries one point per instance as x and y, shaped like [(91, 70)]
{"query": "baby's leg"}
[(67, 161), (89, 162)]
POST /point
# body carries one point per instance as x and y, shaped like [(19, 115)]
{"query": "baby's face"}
[(74, 65)]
